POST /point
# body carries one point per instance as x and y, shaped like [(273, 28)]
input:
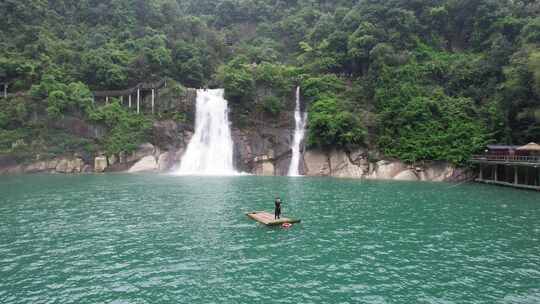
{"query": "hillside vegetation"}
[(416, 79)]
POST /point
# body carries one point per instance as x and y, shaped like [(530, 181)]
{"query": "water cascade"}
[(210, 151), (300, 119)]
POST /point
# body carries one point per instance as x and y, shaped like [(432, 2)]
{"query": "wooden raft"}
[(267, 218)]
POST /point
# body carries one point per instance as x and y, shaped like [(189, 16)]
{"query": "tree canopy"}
[(420, 79)]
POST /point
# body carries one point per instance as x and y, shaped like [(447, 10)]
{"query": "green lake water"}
[(170, 239)]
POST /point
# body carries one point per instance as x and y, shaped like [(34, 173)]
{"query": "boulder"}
[(359, 157), (316, 163), (62, 166), (39, 166), (66, 165), (387, 169), (341, 166), (100, 164), (146, 164), (437, 172), (70, 165), (407, 175), (146, 149), (51, 164)]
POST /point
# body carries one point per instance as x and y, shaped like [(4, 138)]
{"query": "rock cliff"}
[(261, 147)]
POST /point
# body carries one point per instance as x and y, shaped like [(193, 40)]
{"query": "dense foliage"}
[(418, 79)]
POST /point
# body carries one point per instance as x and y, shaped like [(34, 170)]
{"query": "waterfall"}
[(210, 151), (299, 132)]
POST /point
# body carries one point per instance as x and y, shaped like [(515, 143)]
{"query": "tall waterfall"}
[(210, 151), (300, 119)]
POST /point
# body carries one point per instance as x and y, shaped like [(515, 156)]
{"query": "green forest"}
[(414, 79)]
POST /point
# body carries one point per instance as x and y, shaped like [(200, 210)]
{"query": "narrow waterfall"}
[(300, 119), (210, 151)]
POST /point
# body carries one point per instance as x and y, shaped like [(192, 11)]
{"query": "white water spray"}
[(210, 151), (299, 132)]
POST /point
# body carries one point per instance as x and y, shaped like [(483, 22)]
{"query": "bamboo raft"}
[(267, 218)]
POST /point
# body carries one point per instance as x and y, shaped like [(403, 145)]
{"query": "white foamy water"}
[(210, 151), (299, 132)]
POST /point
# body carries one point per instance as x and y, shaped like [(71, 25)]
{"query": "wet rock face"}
[(171, 135), (258, 150)]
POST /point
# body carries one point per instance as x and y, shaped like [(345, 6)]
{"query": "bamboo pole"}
[(138, 100), (153, 98)]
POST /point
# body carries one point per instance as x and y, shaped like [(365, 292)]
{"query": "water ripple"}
[(169, 239)]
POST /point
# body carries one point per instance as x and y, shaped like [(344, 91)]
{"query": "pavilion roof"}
[(530, 147), (501, 147)]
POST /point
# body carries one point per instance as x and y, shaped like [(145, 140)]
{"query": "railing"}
[(507, 158), (114, 93), (142, 86)]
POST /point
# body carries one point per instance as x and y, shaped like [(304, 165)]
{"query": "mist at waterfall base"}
[(300, 119), (210, 151), (163, 239)]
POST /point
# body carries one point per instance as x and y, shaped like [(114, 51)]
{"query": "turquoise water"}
[(168, 239)]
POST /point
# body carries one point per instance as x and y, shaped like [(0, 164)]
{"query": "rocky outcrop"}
[(100, 164), (70, 165), (148, 158), (341, 165), (386, 169), (264, 150), (407, 175), (65, 165), (171, 135), (441, 171), (316, 163), (356, 165), (264, 168), (146, 164), (142, 151)]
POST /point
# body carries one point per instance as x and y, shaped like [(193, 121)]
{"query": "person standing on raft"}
[(277, 208)]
